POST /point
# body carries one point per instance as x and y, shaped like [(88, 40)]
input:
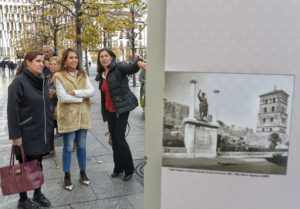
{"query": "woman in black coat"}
[(117, 101), (29, 118)]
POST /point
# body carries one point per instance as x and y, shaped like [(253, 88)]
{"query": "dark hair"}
[(64, 59), (28, 56), (100, 68)]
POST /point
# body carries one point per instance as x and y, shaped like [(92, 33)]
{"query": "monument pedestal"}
[(200, 138)]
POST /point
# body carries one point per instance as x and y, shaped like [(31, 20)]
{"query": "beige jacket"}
[(73, 112)]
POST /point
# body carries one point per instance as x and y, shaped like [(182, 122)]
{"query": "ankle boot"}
[(83, 178), (67, 181)]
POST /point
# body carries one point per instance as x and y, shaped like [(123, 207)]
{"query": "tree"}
[(50, 20), (109, 23), (78, 10), (90, 37), (43, 26), (136, 23), (275, 139)]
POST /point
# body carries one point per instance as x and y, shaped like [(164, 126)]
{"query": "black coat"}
[(28, 113), (117, 81)]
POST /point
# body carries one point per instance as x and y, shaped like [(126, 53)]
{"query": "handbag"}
[(22, 177)]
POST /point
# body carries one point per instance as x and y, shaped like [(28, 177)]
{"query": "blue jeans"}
[(79, 137)]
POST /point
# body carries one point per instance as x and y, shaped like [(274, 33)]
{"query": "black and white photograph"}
[(227, 122)]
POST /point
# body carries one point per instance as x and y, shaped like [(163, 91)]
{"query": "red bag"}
[(17, 178)]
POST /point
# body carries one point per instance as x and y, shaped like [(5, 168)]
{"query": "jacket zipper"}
[(45, 117)]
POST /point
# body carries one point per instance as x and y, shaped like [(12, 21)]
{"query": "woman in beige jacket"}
[(74, 90)]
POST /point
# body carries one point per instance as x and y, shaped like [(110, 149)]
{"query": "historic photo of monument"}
[(227, 122)]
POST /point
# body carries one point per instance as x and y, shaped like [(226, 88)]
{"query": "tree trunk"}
[(104, 39), (78, 37), (133, 51), (86, 62), (55, 41), (78, 26)]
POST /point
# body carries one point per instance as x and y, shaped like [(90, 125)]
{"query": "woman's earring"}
[(65, 65)]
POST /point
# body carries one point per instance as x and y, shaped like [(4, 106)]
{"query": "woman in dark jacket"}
[(117, 101), (29, 118)]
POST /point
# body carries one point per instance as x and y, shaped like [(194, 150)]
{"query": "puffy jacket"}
[(117, 81)]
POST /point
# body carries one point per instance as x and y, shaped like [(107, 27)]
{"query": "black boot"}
[(67, 181), (84, 179), (28, 204), (40, 199)]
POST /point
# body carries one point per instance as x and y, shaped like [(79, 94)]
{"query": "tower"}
[(272, 116)]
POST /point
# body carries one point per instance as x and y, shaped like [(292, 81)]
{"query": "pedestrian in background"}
[(3, 65), (142, 79), (54, 66), (11, 66), (117, 101), (30, 119), (73, 89), (48, 52)]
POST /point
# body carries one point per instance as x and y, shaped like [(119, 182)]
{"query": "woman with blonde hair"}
[(54, 66)]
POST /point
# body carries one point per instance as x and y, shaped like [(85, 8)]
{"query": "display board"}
[(235, 146)]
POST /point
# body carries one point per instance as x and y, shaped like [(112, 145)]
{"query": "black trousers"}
[(51, 136), (121, 151), (51, 140)]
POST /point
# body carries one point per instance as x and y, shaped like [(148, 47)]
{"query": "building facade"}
[(121, 41), (13, 21), (272, 116)]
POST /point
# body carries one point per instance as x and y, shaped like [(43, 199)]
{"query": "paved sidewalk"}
[(103, 192)]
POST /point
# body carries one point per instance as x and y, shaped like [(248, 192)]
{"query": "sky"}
[(238, 100)]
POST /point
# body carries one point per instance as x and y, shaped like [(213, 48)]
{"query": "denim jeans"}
[(79, 137)]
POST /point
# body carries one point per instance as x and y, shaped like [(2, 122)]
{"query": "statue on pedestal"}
[(203, 105)]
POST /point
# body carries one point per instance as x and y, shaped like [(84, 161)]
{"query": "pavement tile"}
[(117, 188), (62, 207), (97, 174), (9, 202), (58, 196), (4, 157), (138, 155), (53, 172), (111, 203), (136, 200)]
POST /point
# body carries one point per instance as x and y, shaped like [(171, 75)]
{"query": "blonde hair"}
[(56, 59)]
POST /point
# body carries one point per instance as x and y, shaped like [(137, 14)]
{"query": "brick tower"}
[(272, 116)]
